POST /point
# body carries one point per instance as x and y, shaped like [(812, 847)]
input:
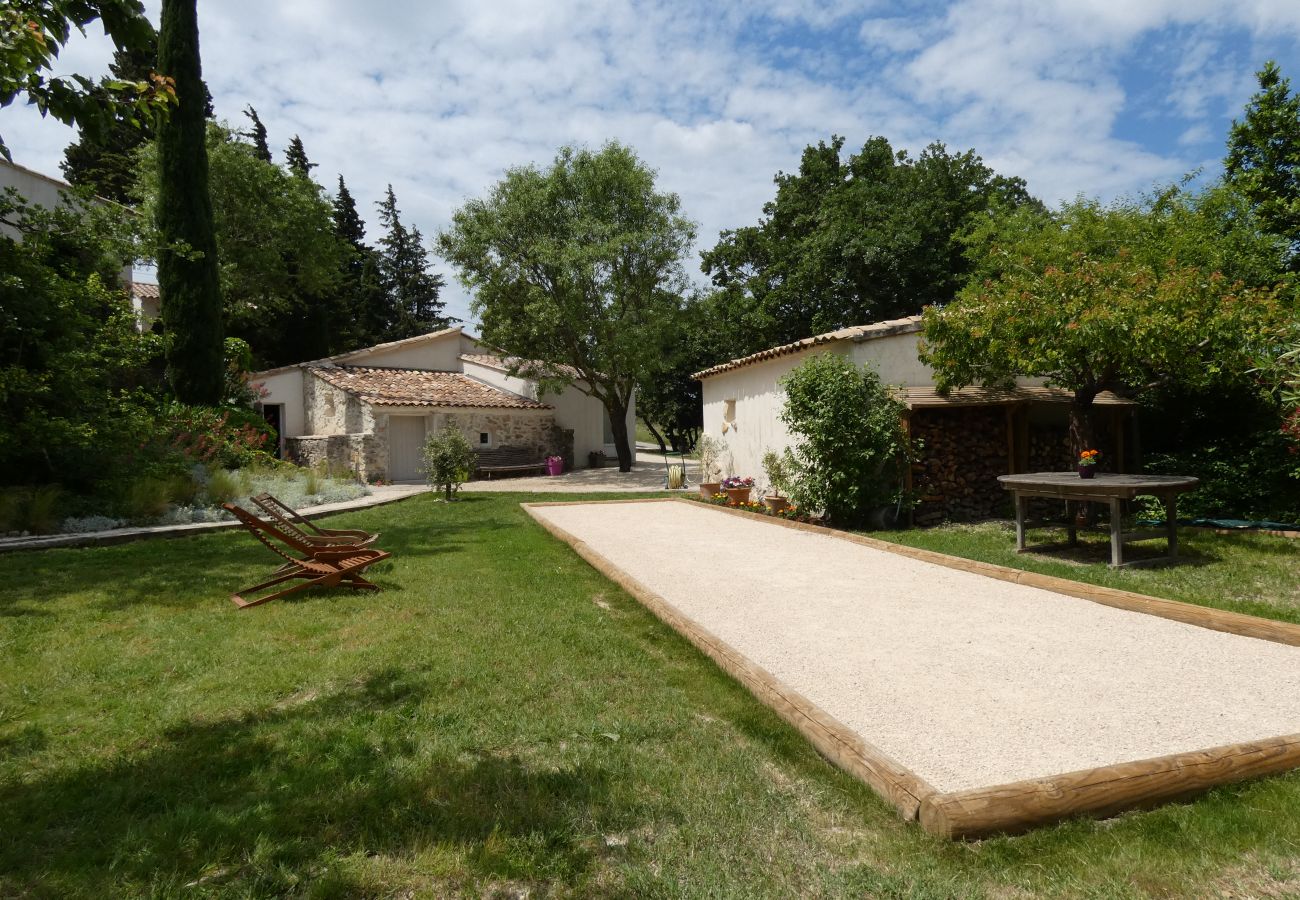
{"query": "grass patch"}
[(1257, 574), (501, 719)]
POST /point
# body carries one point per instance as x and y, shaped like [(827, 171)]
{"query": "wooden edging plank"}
[(1019, 806), (901, 787), (1188, 613), (997, 809)]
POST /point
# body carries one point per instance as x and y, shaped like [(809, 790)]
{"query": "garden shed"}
[(968, 437), (370, 410)]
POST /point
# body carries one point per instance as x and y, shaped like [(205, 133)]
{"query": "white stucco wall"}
[(573, 409), (286, 388), (441, 354), (894, 359), (757, 426)]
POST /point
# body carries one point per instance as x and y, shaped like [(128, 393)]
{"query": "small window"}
[(484, 438)]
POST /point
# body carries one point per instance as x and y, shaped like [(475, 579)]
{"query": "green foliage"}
[(1263, 160), (850, 241), (369, 308), (779, 469), (188, 276), (1105, 298), (668, 400), (33, 32), (75, 379), (850, 447), (448, 460), (32, 509), (281, 263), (578, 268), (223, 487), (104, 161), (230, 437), (147, 498)]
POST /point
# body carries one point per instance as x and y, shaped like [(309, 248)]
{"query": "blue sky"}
[(1093, 97)]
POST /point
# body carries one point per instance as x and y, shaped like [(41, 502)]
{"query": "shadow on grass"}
[(271, 797)]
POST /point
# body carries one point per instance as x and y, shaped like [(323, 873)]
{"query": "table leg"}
[(1171, 523), (1116, 533), (1021, 502), (1071, 527)]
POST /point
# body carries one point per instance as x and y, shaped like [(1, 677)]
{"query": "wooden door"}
[(405, 446)]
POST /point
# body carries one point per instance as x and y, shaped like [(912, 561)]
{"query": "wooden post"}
[(1171, 522), (1021, 503), (1116, 534)]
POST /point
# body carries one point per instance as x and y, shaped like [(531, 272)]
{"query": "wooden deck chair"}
[(306, 530), (318, 566)]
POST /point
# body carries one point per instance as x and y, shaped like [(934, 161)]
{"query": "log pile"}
[(963, 452)]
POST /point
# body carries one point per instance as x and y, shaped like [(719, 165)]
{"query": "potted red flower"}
[(1088, 463)]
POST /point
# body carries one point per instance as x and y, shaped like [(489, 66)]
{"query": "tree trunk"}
[(618, 424), (1081, 426), (663, 448)]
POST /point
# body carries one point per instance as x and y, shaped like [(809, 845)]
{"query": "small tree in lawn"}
[(850, 446), (577, 273), (1099, 300), (448, 461)]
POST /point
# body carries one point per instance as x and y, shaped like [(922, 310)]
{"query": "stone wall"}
[(365, 455), (331, 410), (534, 430)]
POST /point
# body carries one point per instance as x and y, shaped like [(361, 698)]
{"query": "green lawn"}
[(500, 720)]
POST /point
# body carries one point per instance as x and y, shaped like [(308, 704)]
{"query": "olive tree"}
[(448, 460), (576, 272)]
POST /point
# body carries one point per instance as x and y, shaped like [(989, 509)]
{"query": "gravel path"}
[(966, 680)]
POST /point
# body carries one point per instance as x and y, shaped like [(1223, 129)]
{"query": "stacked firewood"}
[(963, 451)]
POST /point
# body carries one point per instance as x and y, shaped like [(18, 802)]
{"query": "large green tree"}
[(1123, 298), (188, 278), (1263, 160), (104, 161), (281, 262), (851, 240), (33, 32), (257, 134), (577, 267)]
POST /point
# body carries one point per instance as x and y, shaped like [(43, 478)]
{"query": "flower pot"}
[(555, 467), (776, 504), (738, 495), (709, 488), (1087, 471)]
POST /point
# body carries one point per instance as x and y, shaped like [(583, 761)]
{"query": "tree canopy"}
[(414, 289), (848, 241), (577, 267), (33, 32), (1112, 298)]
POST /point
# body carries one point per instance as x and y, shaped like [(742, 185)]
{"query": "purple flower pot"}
[(555, 467), (1087, 471)]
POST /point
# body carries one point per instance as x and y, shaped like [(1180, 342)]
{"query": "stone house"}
[(968, 437), (370, 410)]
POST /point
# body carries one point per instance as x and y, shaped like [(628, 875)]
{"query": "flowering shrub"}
[(737, 481), (225, 437), (790, 513)]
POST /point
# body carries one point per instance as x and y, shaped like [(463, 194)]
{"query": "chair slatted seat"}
[(299, 524)]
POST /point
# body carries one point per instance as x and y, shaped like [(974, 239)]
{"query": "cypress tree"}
[(370, 315), (257, 134), (296, 158), (191, 292), (404, 264)]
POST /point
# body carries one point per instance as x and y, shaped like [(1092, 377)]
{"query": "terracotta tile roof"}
[(855, 333), (420, 387), (144, 291), (927, 397), (503, 363)]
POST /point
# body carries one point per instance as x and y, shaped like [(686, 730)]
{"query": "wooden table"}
[(1111, 489)]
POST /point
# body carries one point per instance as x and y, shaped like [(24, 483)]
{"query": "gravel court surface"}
[(966, 680)]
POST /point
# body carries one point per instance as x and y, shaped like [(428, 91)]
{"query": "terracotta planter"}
[(776, 504), (709, 488), (1087, 471), (738, 495)]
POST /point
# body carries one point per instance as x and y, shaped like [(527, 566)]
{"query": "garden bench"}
[(506, 460)]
